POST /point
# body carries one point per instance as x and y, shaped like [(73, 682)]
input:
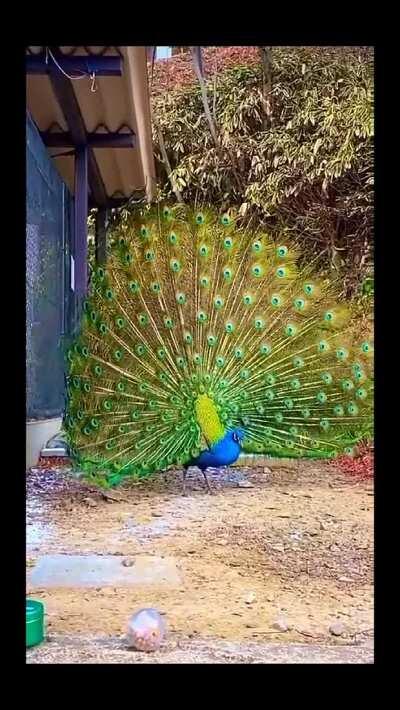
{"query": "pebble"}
[(278, 548), (281, 624), (345, 579), (250, 598), (245, 484), (90, 502), (267, 470), (337, 628), (128, 563)]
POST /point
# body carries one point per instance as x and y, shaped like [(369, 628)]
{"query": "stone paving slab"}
[(102, 571), (77, 649)]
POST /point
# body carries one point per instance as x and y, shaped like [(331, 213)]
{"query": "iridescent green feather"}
[(191, 305)]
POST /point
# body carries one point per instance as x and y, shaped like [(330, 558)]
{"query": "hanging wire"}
[(84, 75)]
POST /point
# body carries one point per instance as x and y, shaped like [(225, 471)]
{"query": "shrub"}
[(306, 168)]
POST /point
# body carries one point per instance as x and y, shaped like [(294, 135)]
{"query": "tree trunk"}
[(166, 162), (266, 64), (196, 54)]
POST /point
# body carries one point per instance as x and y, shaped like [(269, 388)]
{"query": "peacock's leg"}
[(204, 472), (184, 481)]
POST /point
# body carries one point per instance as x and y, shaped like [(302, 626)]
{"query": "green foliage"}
[(308, 168)]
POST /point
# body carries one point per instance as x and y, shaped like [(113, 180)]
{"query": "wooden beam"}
[(94, 140), (81, 214), (75, 65), (101, 236), (68, 103)]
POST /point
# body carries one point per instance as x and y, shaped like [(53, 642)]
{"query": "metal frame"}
[(94, 140), (81, 213), (74, 66), (87, 174)]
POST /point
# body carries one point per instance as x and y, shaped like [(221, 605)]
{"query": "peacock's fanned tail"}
[(194, 327)]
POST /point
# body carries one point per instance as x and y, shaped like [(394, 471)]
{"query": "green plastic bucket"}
[(34, 622)]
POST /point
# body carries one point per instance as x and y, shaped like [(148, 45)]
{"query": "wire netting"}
[(51, 305)]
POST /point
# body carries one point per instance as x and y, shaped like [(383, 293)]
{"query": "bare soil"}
[(298, 545)]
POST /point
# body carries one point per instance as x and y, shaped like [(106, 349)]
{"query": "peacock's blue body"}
[(224, 453)]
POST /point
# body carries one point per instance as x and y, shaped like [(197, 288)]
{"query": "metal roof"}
[(108, 105)]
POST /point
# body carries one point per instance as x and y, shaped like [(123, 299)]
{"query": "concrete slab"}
[(79, 649), (103, 571)]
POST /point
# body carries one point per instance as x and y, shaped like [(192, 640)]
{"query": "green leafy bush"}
[(307, 167)]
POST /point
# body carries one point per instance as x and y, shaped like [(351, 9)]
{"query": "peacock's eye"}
[(180, 298), (257, 270), (299, 304)]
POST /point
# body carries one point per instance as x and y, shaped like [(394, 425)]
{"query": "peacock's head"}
[(238, 436)]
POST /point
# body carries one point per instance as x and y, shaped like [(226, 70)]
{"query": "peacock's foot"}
[(209, 491)]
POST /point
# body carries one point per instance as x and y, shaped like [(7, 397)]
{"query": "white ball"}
[(146, 630)]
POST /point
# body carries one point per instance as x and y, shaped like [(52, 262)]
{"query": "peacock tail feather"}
[(196, 326)]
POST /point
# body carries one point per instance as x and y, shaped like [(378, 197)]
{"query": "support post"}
[(81, 215), (101, 236)]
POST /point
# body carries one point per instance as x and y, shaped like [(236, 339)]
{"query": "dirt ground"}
[(297, 546)]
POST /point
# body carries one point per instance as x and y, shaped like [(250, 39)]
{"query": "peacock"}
[(201, 338)]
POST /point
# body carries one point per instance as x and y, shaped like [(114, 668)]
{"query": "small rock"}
[(250, 598), (278, 548), (324, 526), (281, 624), (245, 484), (128, 563), (90, 502), (157, 515), (223, 542), (296, 535), (345, 579), (267, 470), (337, 628), (270, 598)]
